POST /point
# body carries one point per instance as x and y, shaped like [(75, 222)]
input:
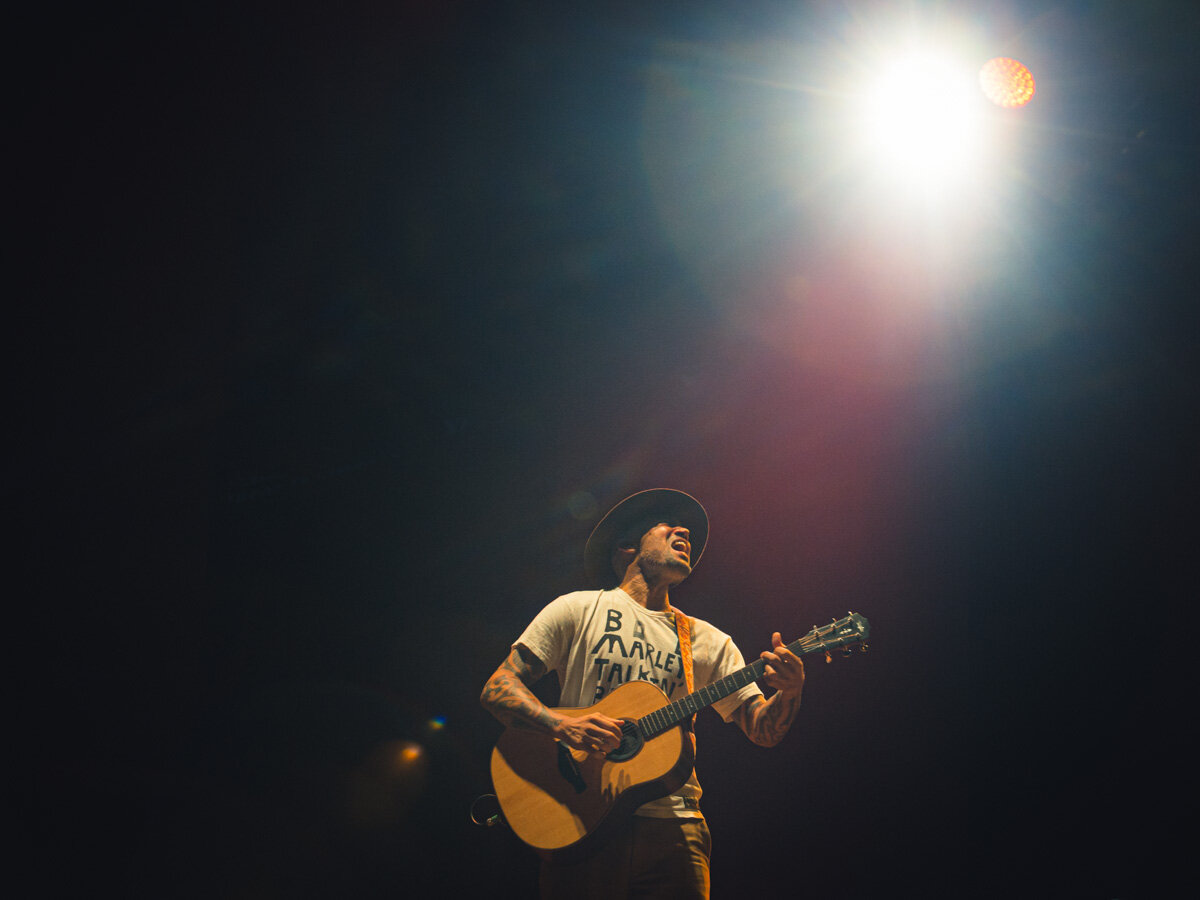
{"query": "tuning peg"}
[(828, 657), (862, 648), (846, 651)]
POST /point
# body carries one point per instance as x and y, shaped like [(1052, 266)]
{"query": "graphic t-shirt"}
[(598, 640)]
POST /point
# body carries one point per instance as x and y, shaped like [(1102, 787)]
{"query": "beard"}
[(664, 563)]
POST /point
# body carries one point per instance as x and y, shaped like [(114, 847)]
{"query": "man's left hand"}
[(784, 670)]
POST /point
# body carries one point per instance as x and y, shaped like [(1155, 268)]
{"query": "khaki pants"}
[(658, 858)]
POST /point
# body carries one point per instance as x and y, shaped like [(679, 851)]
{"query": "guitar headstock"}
[(853, 629)]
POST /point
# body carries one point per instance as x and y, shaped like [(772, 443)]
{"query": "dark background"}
[(337, 329)]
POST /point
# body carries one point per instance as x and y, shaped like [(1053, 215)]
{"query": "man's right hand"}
[(594, 732)]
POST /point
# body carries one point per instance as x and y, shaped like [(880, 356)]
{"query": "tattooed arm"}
[(766, 721), (507, 697)]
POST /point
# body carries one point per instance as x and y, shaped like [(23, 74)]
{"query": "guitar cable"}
[(486, 818)]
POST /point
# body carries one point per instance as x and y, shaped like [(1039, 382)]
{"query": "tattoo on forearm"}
[(767, 721), (507, 695)]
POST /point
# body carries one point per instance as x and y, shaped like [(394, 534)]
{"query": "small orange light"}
[(1006, 82)]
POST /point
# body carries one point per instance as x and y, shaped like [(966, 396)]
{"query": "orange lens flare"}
[(1006, 82)]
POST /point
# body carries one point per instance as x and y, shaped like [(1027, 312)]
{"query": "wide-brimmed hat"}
[(673, 505)]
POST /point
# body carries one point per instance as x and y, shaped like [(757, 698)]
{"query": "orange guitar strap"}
[(683, 627)]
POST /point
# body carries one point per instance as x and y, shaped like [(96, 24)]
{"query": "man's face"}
[(666, 550)]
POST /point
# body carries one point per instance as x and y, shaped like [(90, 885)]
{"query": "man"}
[(597, 640)]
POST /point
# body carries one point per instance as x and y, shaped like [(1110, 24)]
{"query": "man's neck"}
[(652, 595)]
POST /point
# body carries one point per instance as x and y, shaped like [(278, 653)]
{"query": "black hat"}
[(673, 505)]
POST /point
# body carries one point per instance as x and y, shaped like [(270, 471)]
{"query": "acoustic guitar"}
[(561, 801)]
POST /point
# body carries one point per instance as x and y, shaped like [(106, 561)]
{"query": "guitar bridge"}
[(569, 770)]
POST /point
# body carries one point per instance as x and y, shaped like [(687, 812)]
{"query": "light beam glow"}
[(919, 121)]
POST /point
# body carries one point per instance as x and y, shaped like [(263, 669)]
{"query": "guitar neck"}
[(852, 629)]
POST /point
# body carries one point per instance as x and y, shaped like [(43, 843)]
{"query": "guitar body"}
[(559, 800)]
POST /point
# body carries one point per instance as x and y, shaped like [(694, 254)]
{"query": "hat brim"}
[(671, 504)]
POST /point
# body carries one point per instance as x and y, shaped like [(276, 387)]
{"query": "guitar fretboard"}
[(667, 717), (849, 630)]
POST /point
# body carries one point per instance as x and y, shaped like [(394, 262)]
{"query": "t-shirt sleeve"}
[(551, 633)]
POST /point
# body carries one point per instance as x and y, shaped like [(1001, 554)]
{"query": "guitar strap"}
[(683, 628)]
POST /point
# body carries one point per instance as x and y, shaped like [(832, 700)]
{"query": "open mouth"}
[(683, 547)]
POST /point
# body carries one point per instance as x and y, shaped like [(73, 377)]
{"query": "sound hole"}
[(631, 743)]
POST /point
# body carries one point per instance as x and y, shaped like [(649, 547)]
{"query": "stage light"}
[(919, 121), (1006, 82), (381, 789)]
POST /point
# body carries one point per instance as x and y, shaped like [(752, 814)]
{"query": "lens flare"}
[(1006, 82)]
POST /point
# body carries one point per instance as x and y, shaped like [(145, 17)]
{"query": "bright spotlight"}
[(919, 120)]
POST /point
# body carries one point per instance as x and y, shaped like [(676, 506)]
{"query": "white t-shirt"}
[(598, 640)]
